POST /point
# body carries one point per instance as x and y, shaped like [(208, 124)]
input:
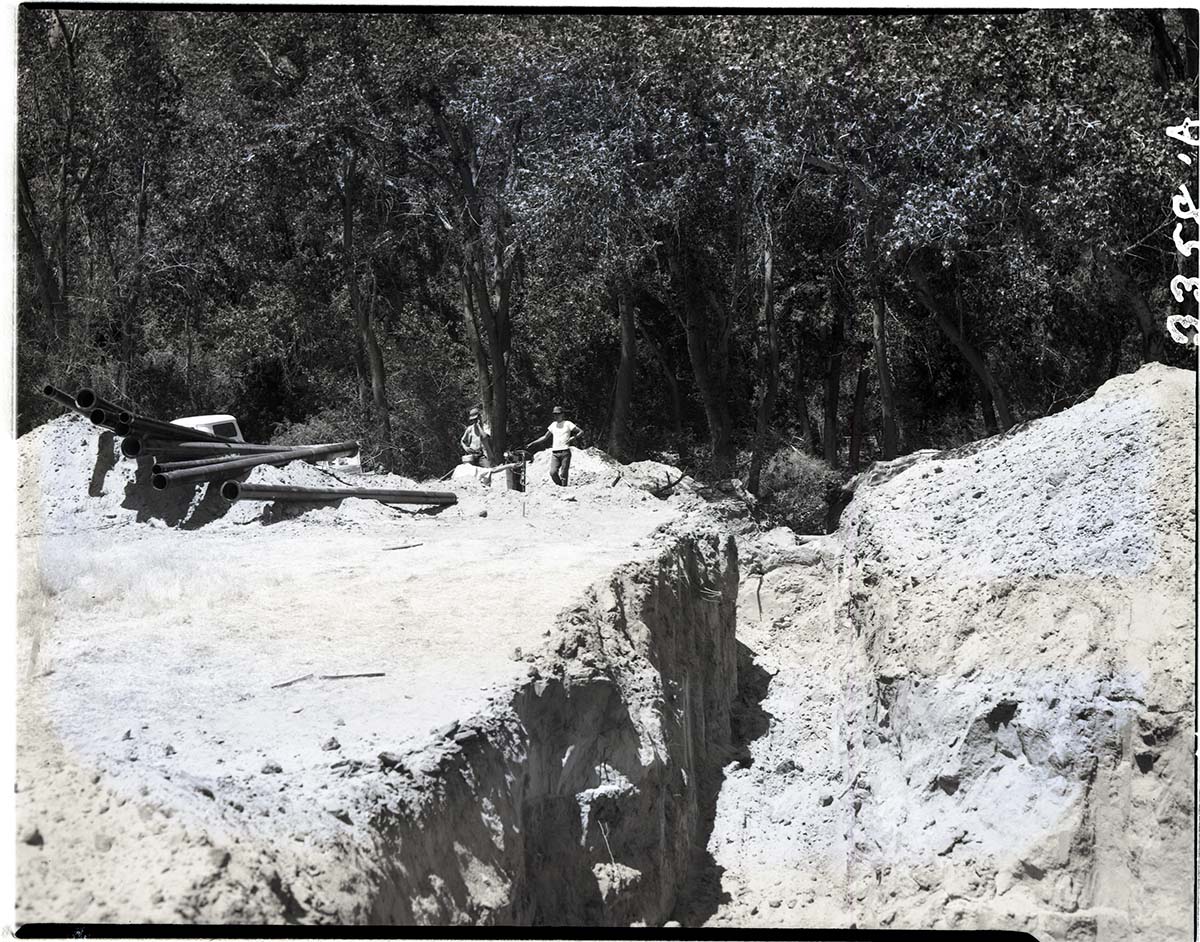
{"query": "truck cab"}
[(223, 426)]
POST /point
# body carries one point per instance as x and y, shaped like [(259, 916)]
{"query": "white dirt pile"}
[(979, 692)]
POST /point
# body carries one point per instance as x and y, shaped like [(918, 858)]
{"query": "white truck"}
[(223, 426)]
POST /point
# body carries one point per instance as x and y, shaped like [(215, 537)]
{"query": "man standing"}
[(560, 434), (475, 440)]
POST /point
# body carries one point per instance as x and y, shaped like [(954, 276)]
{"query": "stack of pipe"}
[(185, 455), (190, 456)]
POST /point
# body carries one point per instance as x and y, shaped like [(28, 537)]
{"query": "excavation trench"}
[(966, 709), (574, 802)]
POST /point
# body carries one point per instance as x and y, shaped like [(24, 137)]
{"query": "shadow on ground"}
[(703, 894)]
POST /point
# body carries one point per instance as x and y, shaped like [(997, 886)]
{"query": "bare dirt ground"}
[(151, 655), (969, 708)]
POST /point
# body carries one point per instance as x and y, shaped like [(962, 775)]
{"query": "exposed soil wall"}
[(572, 804), (981, 691), (1019, 694)]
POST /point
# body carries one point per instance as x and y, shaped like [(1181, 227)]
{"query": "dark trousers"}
[(560, 464)]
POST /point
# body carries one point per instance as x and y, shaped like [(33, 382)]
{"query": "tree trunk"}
[(712, 395), (987, 407), (856, 417), (808, 431), (362, 319), (360, 375), (1191, 43), (969, 353), (768, 383), (132, 304), (673, 394), (1152, 337), (488, 292), (887, 401), (1166, 64), (618, 437), (30, 230), (833, 370)]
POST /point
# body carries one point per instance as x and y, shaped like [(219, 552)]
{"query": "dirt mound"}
[(591, 466), (981, 692), (73, 478)]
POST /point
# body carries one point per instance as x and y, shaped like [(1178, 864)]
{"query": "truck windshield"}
[(225, 429)]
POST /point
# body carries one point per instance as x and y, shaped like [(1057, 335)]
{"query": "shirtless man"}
[(474, 441)]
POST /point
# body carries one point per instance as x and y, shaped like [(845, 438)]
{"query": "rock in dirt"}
[(271, 768)]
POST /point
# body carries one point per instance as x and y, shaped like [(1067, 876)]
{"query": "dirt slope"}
[(981, 700)]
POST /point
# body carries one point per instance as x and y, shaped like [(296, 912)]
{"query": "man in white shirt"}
[(560, 434)]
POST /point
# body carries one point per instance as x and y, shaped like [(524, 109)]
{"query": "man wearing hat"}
[(560, 434), (475, 441)]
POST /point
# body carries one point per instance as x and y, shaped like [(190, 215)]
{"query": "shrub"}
[(795, 489)]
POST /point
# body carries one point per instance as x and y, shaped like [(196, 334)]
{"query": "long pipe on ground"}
[(217, 460), (135, 445), (309, 453), (62, 398), (234, 491), (153, 428)]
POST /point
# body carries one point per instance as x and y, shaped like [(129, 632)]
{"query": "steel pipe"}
[(104, 419), (234, 491), (135, 445), (87, 399), (153, 428), (218, 459), (307, 453), (62, 398)]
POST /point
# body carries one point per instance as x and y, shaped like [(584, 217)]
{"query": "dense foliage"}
[(702, 235)]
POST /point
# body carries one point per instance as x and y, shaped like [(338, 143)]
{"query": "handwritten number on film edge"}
[(1184, 208)]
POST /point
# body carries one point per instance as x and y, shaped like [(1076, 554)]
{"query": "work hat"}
[(557, 410), (474, 413)]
